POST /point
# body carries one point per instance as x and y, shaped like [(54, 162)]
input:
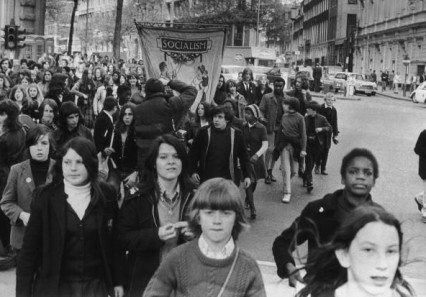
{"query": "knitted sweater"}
[(187, 272)]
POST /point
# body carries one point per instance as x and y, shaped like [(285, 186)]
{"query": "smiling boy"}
[(320, 219)]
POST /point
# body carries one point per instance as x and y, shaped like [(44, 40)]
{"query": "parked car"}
[(361, 85), (419, 94)]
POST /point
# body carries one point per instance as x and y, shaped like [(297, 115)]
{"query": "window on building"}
[(351, 25), (238, 35), (352, 1)]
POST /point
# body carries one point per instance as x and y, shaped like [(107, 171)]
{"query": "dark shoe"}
[(268, 180), (304, 184), (317, 169), (324, 173), (247, 206), (273, 178), (253, 215), (310, 187)]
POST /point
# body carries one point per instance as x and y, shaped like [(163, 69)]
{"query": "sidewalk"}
[(388, 93)]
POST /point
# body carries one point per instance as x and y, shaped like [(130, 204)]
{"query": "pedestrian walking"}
[(153, 220), (48, 112), (317, 74), (262, 89), (23, 178), (363, 259), (212, 264), (202, 119), (219, 150), (330, 113), (239, 102), (396, 82), (391, 77), (317, 128), (246, 87), (68, 247), (158, 115), (290, 144), (70, 125), (256, 140), (12, 144), (85, 89), (420, 150), (385, 78), (271, 107), (320, 219), (125, 150)]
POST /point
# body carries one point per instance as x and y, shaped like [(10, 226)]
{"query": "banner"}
[(193, 56)]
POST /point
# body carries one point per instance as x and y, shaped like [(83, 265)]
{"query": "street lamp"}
[(406, 62)]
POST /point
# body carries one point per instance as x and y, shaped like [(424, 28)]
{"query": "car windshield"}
[(358, 77)]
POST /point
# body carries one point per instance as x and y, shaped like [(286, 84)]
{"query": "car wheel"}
[(374, 94), (414, 98), (368, 95)]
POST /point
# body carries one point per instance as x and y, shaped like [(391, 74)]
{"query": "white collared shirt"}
[(207, 251)]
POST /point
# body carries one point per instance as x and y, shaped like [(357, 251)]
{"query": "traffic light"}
[(20, 37), (11, 37)]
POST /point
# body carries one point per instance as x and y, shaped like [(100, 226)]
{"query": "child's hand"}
[(167, 232)]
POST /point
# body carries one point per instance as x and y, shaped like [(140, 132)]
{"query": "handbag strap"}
[(229, 273)]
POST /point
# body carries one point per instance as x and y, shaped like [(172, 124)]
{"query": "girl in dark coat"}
[(125, 153), (85, 89), (152, 221), (68, 247), (12, 144)]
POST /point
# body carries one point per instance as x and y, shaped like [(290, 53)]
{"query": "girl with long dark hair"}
[(12, 144), (85, 89), (201, 120), (152, 220), (362, 260), (68, 247), (58, 89)]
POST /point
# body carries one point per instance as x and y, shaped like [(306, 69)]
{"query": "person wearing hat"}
[(256, 140), (159, 113)]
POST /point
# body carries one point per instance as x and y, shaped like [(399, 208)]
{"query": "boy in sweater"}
[(211, 265), (291, 143)]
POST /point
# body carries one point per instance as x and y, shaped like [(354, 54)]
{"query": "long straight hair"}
[(149, 176), (324, 270)]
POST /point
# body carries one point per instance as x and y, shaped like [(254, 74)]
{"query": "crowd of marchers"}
[(111, 186)]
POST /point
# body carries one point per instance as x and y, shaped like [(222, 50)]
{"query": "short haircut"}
[(359, 152), (110, 103), (221, 109), (293, 103), (279, 80), (218, 194), (330, 95), (34, 135), (315, 106)]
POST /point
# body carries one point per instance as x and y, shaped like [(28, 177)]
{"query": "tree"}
[(72, 27), (117, 30)]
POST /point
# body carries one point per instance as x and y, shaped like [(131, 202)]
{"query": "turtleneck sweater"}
[(39, 170), (78, 197)]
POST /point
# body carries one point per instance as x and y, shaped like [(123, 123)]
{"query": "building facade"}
[(389, 32), (322, 31)]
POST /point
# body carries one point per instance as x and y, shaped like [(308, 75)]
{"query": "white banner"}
[(190, 55)]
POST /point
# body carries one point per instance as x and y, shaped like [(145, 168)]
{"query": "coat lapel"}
[(27, 176)]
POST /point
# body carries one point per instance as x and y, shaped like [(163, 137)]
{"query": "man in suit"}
[(316, 128), (247, 87), (104, 127), (317, 74), (330, 113)]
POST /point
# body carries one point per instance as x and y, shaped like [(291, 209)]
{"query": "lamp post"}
[(406, 62)]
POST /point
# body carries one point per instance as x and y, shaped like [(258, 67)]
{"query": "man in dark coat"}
[(159, 113), (104, 127), (385, 78), (218, 149), (317, 128), (317, 74), (247, 87), (320, 219), (330, 113)]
